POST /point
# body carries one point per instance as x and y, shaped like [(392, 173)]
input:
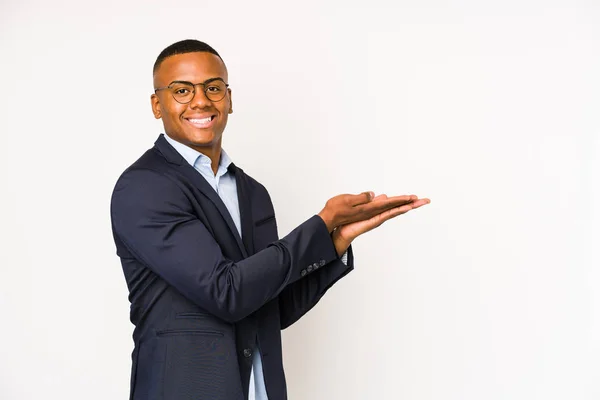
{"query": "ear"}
[(230, 102), (155, 102)]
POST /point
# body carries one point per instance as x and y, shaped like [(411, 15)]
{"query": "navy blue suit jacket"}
[(201, 297)]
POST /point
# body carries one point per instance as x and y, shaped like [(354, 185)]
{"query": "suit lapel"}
[(173, 157), (245, 203)]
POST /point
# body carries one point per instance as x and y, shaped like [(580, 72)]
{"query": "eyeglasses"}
[(183, 92)]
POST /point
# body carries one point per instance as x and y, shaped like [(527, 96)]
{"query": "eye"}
[(213, 89), (181, 91)]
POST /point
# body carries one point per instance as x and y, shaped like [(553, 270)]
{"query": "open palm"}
[(351, 231)]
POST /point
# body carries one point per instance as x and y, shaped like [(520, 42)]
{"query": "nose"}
[(199, 100)]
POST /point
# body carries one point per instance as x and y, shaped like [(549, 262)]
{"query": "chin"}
[(205, 141), (201, 138)]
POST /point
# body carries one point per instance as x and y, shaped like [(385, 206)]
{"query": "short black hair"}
[(182, 47)]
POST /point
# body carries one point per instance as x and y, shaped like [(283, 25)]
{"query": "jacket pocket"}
[(264, 220), (187, 332), (192, 315)]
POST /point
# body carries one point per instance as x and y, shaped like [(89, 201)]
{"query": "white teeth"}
[(200, 121)]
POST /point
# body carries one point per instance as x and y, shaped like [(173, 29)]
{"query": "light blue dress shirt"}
[(223, 182)]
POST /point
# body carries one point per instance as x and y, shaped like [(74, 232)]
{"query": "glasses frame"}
[(193, 85)]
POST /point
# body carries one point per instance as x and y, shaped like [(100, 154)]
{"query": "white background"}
[(490, 108)]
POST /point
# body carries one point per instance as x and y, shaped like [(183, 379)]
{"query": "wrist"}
[(341, 244), (327, 219)]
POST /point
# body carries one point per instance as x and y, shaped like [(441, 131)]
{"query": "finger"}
[(378, 207), (380, 197), (384, 216), (379, 219), (393, 213), (402, 199), (398, 201), (408, 207), (358, 199), (420, 202), (374, 208)]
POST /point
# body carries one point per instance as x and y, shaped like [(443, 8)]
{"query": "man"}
[(211, 285)]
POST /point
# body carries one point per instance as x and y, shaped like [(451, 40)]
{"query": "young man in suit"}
[(211, 284)]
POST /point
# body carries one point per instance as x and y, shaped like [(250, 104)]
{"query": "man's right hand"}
[(347, 208)]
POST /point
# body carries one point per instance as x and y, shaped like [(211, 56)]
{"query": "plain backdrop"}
[(490, 108)]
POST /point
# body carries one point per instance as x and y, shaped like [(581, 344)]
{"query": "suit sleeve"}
[(299, 297), (152, 217)]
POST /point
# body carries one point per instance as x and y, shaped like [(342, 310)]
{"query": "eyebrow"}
[(204, 83)]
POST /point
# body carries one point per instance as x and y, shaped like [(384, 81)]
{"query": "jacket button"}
[(310, 268), (303, 272), (321, 263), (247, 353)]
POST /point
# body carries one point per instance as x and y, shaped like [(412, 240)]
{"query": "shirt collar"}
[(194, 157)]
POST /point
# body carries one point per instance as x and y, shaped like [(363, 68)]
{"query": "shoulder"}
[(149, 178)]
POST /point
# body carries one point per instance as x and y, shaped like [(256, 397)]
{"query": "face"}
[(201, 122)]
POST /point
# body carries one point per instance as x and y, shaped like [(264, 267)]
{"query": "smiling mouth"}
[(201, 122)]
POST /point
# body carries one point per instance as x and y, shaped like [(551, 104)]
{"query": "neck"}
[(213, 152)]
